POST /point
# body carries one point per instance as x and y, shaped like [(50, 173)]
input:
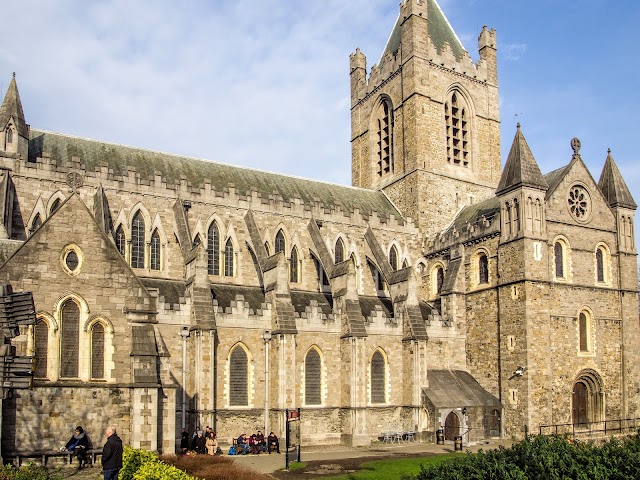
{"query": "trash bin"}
[(457, 443), (440, 437)]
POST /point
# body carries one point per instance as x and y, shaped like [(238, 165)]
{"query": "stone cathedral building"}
[(439, 290)]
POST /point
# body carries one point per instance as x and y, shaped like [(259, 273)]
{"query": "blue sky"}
[(265, 83)]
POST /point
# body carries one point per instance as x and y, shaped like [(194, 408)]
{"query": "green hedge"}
[(143, 465), (29, 472), (547, 458)]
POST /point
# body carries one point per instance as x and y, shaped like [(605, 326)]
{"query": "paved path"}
[(265, 463)]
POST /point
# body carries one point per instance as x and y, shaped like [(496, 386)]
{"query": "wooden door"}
[(451, 426), (580, 412)]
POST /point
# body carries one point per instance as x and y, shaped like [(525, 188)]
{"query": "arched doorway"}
[(586, 398), (451, 426)]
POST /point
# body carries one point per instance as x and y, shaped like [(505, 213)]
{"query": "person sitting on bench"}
[(273, 443), (78, 445)]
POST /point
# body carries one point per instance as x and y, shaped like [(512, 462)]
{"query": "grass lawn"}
[(392, 469)]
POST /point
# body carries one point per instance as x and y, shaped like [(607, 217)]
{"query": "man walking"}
[(112, 454)]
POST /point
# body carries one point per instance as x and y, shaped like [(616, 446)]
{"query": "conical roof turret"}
[(12, 107), (613, 186), (521, 168)]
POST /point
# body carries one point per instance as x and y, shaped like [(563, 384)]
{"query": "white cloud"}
[(512, 51)]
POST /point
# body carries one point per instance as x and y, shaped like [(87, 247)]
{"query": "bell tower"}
[(425, 120)]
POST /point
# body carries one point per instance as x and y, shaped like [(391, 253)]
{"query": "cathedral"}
[(441, 291)]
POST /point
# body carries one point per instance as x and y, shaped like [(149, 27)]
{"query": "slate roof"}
[(93, 154), (521, 168), (171, 291), (11, 105), (440, 32), (225, 294), (457, 388), (474, 213), (613, 186), (554, 178), (301, 300), (368, 306)]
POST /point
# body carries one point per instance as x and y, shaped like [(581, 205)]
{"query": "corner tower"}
[(425, 122), (14, 131)]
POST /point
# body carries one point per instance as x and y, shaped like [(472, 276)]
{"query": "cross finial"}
[(575, 144)]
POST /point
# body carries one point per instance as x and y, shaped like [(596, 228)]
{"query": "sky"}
[(265, 84)]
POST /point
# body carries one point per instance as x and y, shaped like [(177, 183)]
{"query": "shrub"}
[(143, 465), (29, 472), (545, 458)]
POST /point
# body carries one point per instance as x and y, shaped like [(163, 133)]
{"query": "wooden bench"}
[(44, 455)]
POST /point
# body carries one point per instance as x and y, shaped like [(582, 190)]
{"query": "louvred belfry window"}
[(457, 126), (238, 378), (312, 378), (70, 331), (384, 140)]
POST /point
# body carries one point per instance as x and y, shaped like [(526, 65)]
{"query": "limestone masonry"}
[(440, 291)]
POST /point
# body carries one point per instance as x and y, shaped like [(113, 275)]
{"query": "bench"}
[(44, 455)]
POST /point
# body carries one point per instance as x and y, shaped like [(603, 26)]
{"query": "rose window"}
[(579, 202)]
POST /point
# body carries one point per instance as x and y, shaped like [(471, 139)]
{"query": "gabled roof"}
[(440, 32), (12, 107), (521, 168), (118, 158), (613, 186)]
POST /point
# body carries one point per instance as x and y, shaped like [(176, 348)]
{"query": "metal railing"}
[(587, 429)]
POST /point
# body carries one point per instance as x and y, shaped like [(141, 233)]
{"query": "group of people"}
[(79, 444), (206, 443), (201, 443), (256, 443)]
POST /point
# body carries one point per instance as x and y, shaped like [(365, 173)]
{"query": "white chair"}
[(387, 437)]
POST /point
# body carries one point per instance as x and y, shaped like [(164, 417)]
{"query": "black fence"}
[(604, 428)]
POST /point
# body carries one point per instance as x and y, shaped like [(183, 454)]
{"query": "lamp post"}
[(266, 338), (184, 333)]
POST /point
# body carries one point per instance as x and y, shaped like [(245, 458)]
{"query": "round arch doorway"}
[(586, 398), (451, 426)]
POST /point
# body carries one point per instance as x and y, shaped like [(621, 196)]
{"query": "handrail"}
[(588, 428)]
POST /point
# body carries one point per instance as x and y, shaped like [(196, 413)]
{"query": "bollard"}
[(440, 437), (457, 443)]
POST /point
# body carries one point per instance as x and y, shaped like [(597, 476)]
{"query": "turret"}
[(14, 131), (488, 54), (521, 191), (358, 73)]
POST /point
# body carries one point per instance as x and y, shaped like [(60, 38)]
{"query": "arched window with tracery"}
[(280, 243), (228, 259), (137, 241), (9, 135), (313, 378), (41, 348), (384, 139), (97, 351), (339, 251), (37, 221), (393, 258), (457, 125), (238, 377), (155, 250), (293, 266), (120, 240), (69, 338), (378, 373), (213, 249)]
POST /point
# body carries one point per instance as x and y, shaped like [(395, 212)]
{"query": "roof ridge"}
[(186, 157)]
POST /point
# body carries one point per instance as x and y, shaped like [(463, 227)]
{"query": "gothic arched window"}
[(457, 125), (559, 257), (339, 252), (41, 348), (37, 221), (280, 243), (213, 249), (155, 250), (313, 378), (293, 266), (120, 240), (9, 135), (238, 377), (228, 259), (584, 326), (393, 258), (378, 371), (137, 241), (97, 351), (483, 269), (69, 334), (54, 206)]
